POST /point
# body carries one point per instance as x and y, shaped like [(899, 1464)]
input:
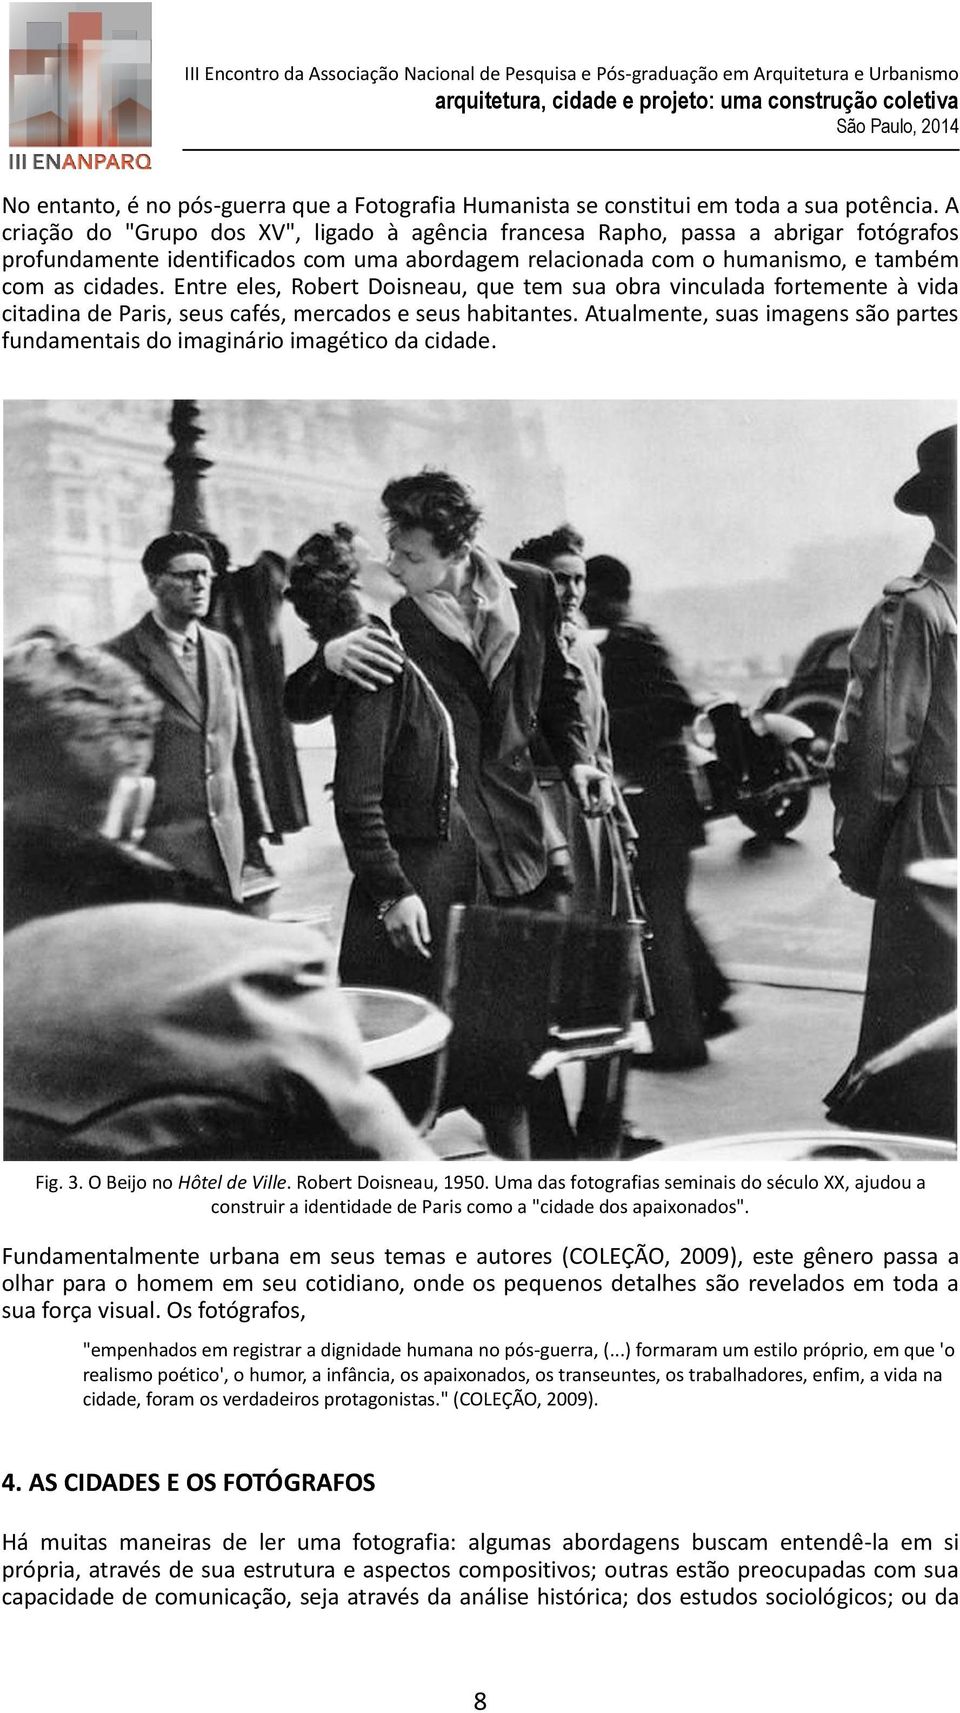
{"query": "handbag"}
[(626, 905)]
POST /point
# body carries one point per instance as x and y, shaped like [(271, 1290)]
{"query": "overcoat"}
[(597, 881), (648, 709), (893, 781), (209, 802), (246, 605)]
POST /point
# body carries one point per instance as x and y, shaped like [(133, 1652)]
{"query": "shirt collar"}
[(175, 638)]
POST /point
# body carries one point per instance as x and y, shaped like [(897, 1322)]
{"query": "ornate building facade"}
[(86, 487)]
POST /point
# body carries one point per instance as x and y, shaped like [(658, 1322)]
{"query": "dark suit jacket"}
[(649, 708), (494, 724), (392, 781), (209, 801)]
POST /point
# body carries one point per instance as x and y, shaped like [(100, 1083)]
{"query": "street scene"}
[(657, 725)]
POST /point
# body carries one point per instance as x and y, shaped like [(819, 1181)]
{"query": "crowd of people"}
[(507, 733)]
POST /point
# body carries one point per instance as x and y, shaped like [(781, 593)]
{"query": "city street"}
[(792, 939), (780, 908)]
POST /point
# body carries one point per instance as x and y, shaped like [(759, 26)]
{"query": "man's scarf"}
[(483, 618)]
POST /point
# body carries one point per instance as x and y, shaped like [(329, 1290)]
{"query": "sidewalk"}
[(769, 1074), (798, 1027)]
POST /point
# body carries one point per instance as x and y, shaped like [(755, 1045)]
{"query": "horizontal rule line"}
[(242, 149)]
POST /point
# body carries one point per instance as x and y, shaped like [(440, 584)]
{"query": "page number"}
[(480, 1701)]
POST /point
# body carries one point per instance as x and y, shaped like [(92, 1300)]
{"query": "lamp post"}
[(187, 467)]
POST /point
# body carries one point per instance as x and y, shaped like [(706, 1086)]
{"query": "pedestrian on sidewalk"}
[(649, 710), (594, 884), (406, 837), (209, 813), (893, 776), (596, 849)]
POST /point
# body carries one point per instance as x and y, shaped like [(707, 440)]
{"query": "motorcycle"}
[(749, 763)]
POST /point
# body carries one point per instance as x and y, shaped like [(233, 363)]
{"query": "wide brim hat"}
[(935, 484)]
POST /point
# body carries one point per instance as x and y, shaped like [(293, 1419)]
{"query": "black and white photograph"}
[(556, 781)]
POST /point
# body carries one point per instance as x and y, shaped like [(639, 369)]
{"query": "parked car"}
[(816, 690), (750, 762)]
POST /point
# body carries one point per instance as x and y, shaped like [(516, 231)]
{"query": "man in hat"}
[(893, 772), (209, 811)]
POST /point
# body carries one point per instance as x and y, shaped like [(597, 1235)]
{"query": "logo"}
[(79, 75)]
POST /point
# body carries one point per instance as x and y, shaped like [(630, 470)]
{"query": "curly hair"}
[(159, 552), (75, 719), (437, 502), (544, 549), (321, 589)]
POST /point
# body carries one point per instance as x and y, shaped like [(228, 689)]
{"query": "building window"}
[(76, 520), (129, 528)]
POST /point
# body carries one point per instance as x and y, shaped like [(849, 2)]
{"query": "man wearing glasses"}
[(208, 811)]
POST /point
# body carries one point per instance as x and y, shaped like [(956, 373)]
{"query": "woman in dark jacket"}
[(649, 709), (593, 879), (394, 788)]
